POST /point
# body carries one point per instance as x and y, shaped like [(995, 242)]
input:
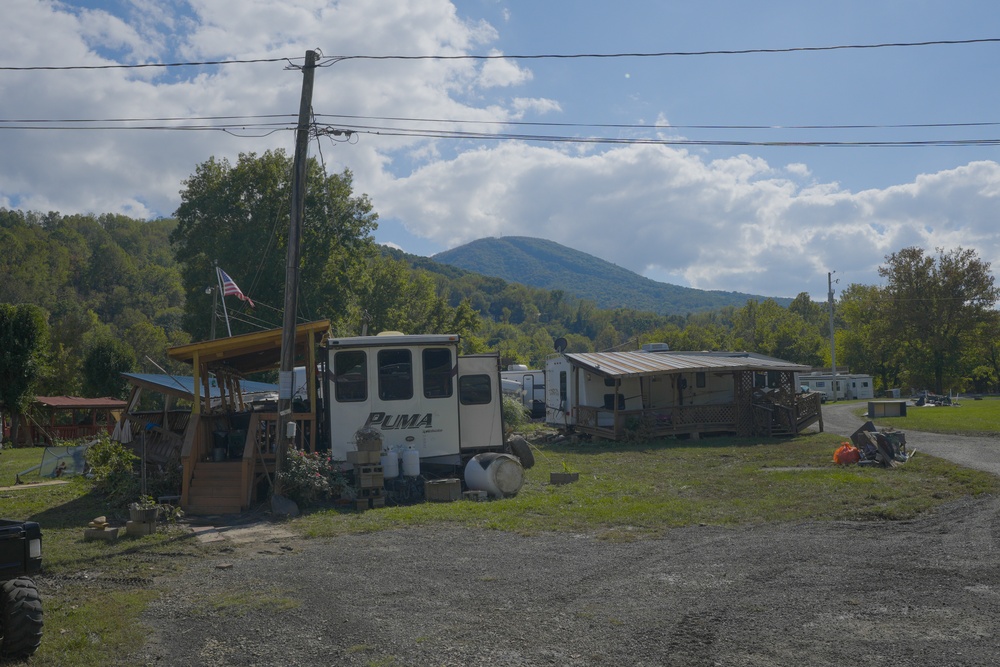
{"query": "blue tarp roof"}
[(185, 383)]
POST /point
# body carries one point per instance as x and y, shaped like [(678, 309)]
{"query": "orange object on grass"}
[(847, 453)]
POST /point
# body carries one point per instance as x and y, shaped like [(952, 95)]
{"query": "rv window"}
[(699, 379), (562, 387), (350, 371), (474, 389), (437, 372), (395, 375)]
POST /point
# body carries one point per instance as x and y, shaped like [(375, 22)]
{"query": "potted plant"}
[(564, 477), (145, 510)]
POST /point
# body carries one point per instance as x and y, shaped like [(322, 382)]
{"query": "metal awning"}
[(640, 364), (182, 386)]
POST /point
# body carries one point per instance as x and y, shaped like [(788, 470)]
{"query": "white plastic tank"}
[(499, 475), (411, 462), (390, 463)]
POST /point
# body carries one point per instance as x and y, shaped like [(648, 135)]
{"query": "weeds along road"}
[(977, 452), (924, 592)]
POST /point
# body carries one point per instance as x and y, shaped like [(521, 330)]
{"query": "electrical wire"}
[(332, 60)]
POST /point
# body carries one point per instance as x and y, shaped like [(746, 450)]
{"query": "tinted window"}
[(474, 389), (350, 376), (699, 379), (437, 373), (395, 375)]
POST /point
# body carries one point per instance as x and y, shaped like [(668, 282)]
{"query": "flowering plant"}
[(311, 478)]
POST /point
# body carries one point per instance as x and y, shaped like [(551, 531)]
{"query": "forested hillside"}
[(103, 294), (549, 265)]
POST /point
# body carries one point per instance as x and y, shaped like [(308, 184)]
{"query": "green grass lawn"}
[(634, 491), (625, 492), (969, 417)]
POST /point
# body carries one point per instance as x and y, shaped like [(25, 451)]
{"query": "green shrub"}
[(113, 467), (515, 416), (311, 479)]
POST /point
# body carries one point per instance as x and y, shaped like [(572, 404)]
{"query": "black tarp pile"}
[(886, 447)]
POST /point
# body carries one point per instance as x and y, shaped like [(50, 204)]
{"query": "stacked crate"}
[(369, 478)]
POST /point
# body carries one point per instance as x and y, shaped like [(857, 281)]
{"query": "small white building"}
[(850, 386)]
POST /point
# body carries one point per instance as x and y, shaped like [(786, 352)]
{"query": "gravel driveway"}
[(923, 592)]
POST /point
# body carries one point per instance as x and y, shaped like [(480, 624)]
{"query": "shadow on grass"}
[(705, 442)]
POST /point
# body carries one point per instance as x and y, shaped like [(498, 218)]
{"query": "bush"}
[(311, 479), (113, 467), (515, 416)]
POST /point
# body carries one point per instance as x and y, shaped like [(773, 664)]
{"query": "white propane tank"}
[(411, 462), (499, 475), (390, 463)]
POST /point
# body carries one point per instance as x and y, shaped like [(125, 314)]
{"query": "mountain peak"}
[(548, 265)]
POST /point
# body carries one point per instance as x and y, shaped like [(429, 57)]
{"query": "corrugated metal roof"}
[(81, 403), (634, 364), (184, 384)]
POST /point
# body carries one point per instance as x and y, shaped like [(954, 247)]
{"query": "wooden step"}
[(214, 471), (216, 488), (202, 509)]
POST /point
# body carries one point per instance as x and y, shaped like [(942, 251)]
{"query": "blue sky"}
[(756, 218)]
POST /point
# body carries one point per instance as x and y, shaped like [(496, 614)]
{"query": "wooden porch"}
[(228, 451)]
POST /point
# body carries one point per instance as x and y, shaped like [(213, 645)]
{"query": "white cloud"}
[(735, 223), (502, 72), (728, 224)]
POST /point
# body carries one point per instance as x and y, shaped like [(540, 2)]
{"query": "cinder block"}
[(364, 457), (107, 534), (139, 528)]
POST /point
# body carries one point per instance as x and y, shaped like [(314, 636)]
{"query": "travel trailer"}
[(417, 391), (849, 385), (531, 387)]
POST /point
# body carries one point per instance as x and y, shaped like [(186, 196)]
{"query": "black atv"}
[(20, 604)]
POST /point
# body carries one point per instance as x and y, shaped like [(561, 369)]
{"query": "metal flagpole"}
[(225, 311)]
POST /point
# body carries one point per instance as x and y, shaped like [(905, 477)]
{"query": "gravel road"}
[(923, 592)]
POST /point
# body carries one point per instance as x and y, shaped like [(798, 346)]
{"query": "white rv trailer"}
[(849, 385), (417, 391), (531, 385)]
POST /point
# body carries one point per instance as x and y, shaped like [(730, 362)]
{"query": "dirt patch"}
[(923, 592)]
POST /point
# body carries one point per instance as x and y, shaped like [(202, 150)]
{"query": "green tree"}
[(24, 341), (867, 343), (767, 328), (238, 214), (938, 305), (103, 366)]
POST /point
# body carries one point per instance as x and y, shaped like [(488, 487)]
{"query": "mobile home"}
[(849, 386), (531, 387), (417, 391), (673, 393)]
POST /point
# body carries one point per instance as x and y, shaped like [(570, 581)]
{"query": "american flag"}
[(230, 288)]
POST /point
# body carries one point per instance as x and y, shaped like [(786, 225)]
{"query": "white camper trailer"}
[(531, 387), (417, 391)]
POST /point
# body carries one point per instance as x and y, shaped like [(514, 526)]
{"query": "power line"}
[(31, 68), (332, 60), (670, 126), (482, 136)]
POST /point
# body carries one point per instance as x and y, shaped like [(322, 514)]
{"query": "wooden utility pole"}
[(286, 370)]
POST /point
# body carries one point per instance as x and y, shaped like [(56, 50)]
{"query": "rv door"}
[(479, 416)]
